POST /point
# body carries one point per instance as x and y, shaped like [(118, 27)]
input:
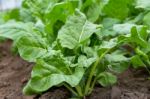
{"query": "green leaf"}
[(106, 46), (146, 19), (123, 28), (51, 72), (90, 52), (116, 57), (106, 33), (137, 62), (138, 38), (86, 4), (14, 30), (95, 10), (106, 79), (31, 47), (144, 33), (117, 62), (83, 61), (38, 7), (109, 22), (145, 4), (76, 31), (109, 44), (117, 8), (52, 14), (24, 15), (143, 55), (118, 67)]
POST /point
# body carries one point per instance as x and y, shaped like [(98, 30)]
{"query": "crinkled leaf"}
[(52, 72), (31, 47), (38, 8), (14, 30), (76, 30)]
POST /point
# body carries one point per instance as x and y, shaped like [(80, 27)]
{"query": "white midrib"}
[(82, 32)]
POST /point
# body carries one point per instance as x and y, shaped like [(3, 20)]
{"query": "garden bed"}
[(14, 73)]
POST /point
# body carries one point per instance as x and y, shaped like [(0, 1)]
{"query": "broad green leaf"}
[(29, 41), (123, 28), (31, 47), (52, 72), (38, 7), (117, 8), (145, 4), (126, 28), (49, 12), (14, 30), (95, 10), (106, 79), (76, 31)]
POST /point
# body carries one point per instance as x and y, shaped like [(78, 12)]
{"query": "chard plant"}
[(80, 43)]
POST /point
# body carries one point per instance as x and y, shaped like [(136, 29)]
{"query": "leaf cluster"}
[(79, 43)]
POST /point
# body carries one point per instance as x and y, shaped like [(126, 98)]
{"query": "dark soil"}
[(14, 73)]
